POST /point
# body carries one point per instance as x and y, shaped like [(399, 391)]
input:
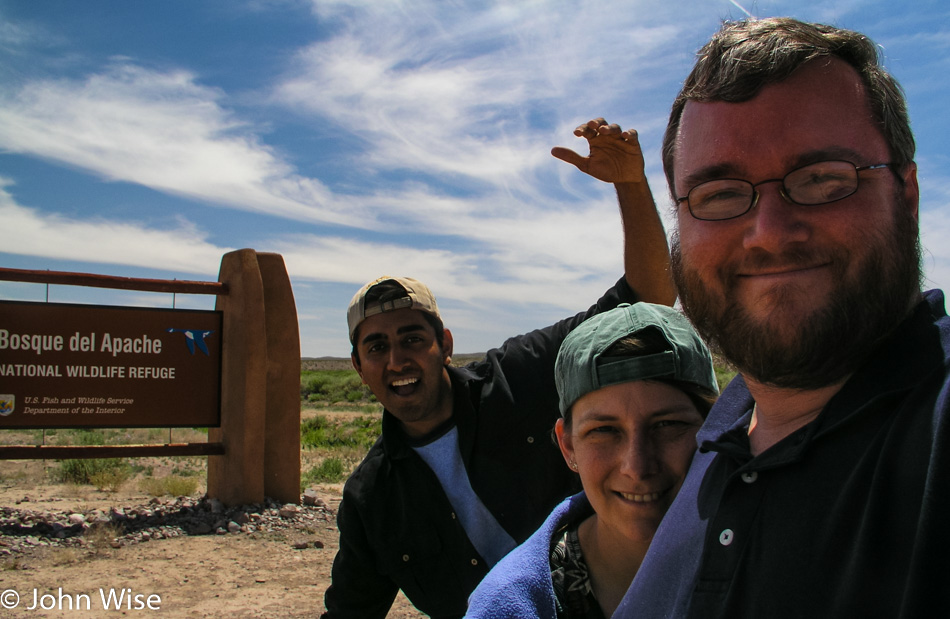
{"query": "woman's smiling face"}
[(632, 444)]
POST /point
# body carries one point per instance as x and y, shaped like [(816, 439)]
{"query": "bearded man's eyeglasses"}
[(815, 183)]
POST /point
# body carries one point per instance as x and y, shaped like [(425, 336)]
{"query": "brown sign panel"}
[(66, 366)]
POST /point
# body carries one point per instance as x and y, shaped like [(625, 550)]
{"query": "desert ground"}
[(278, 573)]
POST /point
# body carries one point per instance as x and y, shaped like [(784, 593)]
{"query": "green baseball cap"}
[(581, 367)]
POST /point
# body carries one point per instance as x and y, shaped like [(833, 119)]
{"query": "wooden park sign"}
[(235, 370), (89, 366)]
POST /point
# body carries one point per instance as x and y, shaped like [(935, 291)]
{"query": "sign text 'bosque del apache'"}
[(78, 365)]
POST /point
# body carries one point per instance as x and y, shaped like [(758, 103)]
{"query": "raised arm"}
[(615, 157)]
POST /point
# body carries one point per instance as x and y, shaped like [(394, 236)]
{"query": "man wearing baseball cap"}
[(465, 468)]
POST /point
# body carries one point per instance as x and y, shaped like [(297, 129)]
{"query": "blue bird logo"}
[(194, 338)]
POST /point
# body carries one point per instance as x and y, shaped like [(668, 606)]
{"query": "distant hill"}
[(343, 363)]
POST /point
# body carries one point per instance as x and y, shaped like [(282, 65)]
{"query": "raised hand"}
[(615, 155)]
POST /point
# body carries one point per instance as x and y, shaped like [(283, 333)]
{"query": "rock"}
[(22, 530)]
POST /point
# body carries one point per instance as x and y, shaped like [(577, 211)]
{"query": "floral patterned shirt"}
[(571, 577)]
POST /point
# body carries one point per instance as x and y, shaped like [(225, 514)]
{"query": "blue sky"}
[(366, 137)]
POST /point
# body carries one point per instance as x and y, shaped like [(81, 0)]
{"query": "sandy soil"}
[(234, 575)]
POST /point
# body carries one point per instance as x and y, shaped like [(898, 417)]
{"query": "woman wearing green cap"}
[(635, 384)]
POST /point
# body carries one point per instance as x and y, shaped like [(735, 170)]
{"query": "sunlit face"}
[(784, 284), (632, 444), (400, 360)]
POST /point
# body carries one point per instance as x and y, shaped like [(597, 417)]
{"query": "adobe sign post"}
[(64, 365)]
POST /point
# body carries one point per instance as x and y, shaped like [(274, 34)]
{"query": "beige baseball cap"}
[(394, 293)]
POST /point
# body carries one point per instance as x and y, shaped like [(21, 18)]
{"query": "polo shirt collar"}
[(904, 359)]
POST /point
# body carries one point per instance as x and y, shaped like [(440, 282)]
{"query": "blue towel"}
[(520, 584)]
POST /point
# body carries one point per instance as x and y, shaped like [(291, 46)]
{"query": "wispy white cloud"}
[(548, 260), (473, 93), (20, 37), (935, 229), (464, 276), (935, 220), (29, 232), (162, 130)]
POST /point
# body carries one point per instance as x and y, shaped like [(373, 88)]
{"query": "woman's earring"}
[(573, 465)]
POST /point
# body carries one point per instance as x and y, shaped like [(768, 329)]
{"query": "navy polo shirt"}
[(847, 517)]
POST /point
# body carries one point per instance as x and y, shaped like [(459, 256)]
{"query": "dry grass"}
[(100, 537), (64, 556), (111, 480), (172, 485), (79, 492)]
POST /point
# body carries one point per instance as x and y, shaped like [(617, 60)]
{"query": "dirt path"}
[(232, 575)]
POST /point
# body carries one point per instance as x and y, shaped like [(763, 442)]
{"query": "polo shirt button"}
[(750, 477), (405, 557), (453, 515), (530, 439), (726, 537), (474, 561)]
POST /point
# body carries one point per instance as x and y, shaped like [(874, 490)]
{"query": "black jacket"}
[(398, 529)]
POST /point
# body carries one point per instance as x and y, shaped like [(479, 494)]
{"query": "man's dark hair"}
[(744, 56)]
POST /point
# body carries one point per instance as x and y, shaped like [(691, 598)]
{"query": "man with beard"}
[(821, 484), (465, 468)]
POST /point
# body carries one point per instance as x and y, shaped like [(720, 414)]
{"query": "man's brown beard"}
[(828, 345)]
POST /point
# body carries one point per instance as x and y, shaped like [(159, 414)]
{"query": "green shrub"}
[(185, 471), (147, 471), (314, 385), (93, 470), (90, 437), (319, 431), (329, 471), (724, 374), (333, 386)]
